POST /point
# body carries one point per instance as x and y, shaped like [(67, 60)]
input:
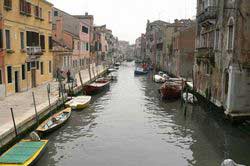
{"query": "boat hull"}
[(93, 90), (42, 131), (170, 91), (32, 159), (140, 72)]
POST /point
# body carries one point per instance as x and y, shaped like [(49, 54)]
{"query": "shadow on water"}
[(130, 125)]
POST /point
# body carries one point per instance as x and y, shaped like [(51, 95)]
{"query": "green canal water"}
[(129, 125)]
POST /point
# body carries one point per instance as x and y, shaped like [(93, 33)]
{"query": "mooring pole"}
[(48, 91), (34, 101), (13, 118), (80, 76)]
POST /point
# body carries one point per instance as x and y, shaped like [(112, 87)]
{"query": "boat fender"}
[(230, 162), (34, 136)]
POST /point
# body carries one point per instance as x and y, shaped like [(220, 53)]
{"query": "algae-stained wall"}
[(15, 57)]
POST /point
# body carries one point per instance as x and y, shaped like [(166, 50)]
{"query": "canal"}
[(130, 126)]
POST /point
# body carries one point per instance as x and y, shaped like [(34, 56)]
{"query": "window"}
[(7, 36), (1, 78), (33, 64), (217, 39), (9, 74), (50, 66), (42, 41), (23, 72), (55, 13), (230, 34), (28, 66), (50, 43), (8, 4), (49, 16), (22, 40), (87, 46), (37, 11), (85, 29), (37, 65), (25, 7), (1, 38), (41, 68), (32, 38), (64, 61), (40, 12), (22, 4)]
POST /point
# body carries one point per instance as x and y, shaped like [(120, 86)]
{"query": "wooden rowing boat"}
[(79, 102), (54, 122), (94, 88), (24, 153), (171, 90)]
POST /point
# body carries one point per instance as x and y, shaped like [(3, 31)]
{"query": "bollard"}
[(13, 118)]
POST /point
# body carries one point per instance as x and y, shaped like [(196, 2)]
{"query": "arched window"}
[(230, 36)]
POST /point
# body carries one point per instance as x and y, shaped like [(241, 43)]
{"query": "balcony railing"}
[(34, 50), (210, 13)]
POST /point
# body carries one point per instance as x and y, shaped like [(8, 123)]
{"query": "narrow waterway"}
[(130, 126)]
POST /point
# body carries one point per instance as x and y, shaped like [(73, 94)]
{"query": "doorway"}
[(33, 78), (16, 81)]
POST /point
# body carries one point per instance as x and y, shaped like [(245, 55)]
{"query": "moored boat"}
[(24, 153), (94, 88), (159, 79), (171, 90), (140, 71), (112, 77), (189, 98), (110, 70), (79, 102), (102, 80), (54, 122)]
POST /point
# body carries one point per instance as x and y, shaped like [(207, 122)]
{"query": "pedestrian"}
[(68, 76)]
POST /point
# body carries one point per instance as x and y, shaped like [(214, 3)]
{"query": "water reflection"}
[(129, 125)]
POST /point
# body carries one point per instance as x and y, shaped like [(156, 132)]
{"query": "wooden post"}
[(48, 91), (89, 71), (13, 118), (80, 76), (34, 101), (93, 70)]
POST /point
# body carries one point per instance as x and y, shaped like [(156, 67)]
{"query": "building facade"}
[(27, 44), (71, 37), (222, 66), (158, 44), (183, 46)]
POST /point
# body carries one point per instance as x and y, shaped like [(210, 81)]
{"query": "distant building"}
[(71, 38), (222, 60), (183, 46), (26, 45), (158, 44)]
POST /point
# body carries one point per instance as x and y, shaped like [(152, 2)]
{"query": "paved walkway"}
[(22, 103)]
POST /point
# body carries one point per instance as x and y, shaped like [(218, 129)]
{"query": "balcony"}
[(208, 16), (205, 54), (34, 51)]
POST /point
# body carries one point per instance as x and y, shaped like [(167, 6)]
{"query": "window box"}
[(10, 51)]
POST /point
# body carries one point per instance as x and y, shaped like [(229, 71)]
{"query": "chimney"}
[(86, 13)]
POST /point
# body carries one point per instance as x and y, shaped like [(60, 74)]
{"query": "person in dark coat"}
[(68, 76)]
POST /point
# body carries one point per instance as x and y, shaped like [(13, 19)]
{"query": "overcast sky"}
[(128, 18)]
